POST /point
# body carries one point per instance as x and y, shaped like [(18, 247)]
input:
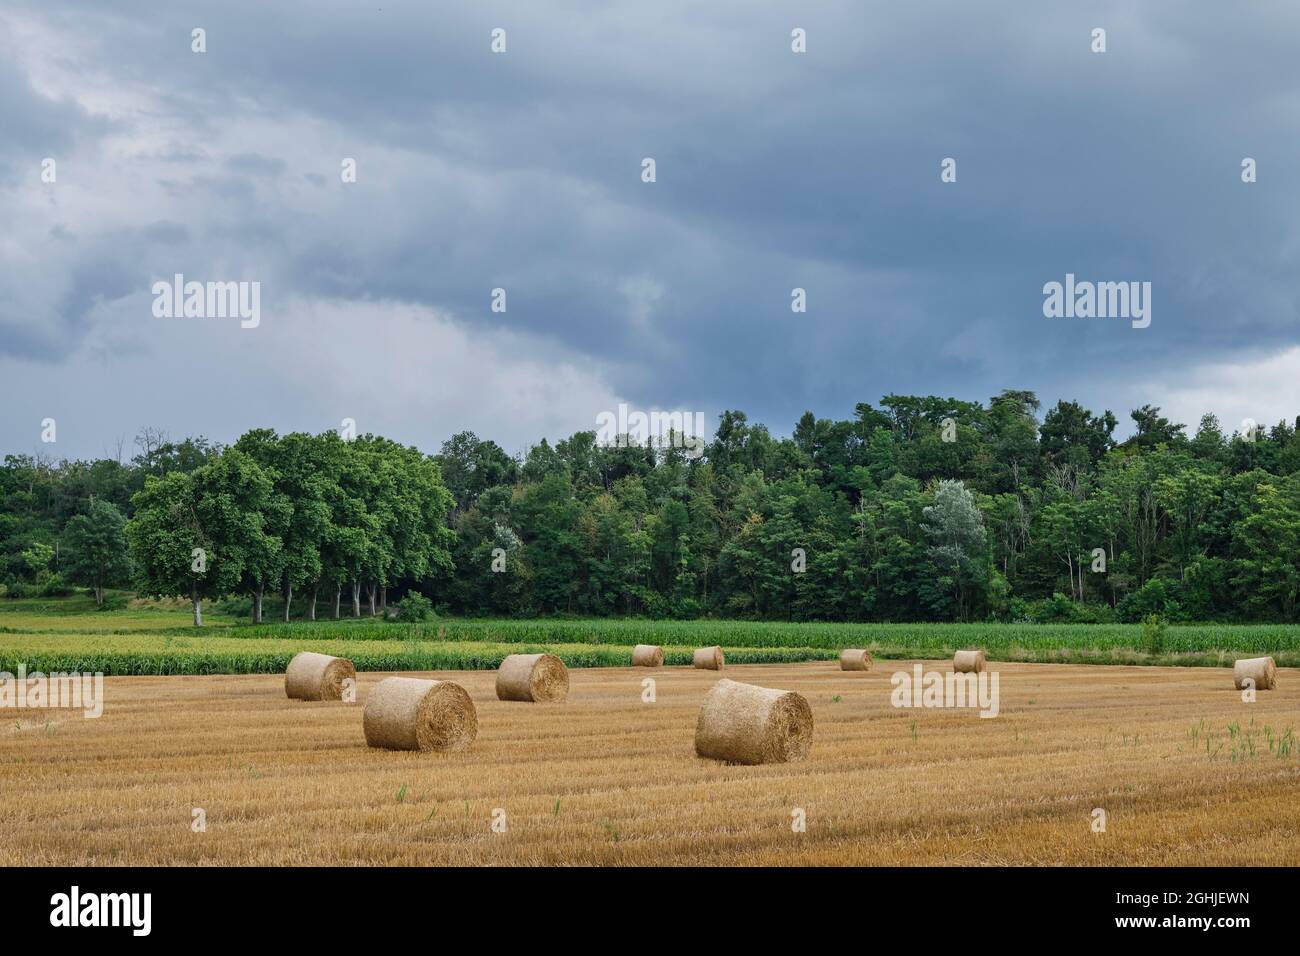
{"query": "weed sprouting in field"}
[(1244, 743), (1286, 744), (1241, 745), (401, 793)]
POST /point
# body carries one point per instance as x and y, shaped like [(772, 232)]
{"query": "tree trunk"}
[(311, 606), (99, 596), (338, 591), (257, 604), (288, 599), (356, 598), (198, 606), (383, 599), (370, 593)]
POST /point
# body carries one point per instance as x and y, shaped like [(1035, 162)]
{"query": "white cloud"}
[(1265, 389), (404, 371), (409, 366)]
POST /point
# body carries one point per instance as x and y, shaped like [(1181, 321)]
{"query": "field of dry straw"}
[(1186, 772)]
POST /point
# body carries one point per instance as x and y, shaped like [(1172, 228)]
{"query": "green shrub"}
[(1157, 596), (115, 600), (1153, 634), (413, 608), (54, 585), (1058, 609)]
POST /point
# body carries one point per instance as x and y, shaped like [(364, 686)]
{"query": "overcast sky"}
[(523, 170)]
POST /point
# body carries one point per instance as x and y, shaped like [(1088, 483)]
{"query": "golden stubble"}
[(607, 779)]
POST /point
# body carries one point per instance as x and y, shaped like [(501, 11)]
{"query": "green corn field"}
[(158, 641)]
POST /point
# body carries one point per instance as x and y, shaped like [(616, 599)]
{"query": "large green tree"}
[(193, 534), (958, 542), (95, 549)]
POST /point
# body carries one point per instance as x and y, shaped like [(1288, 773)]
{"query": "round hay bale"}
[(854, 659), (1261, 669), (709, 658), (541, 678), (647, 655), (407, 713), (968, 662), (313, 676), (741, 723)]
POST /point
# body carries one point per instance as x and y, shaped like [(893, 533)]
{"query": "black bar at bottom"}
[(210, 905)]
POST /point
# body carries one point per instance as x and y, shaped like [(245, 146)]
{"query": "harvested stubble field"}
[(1187, 773)]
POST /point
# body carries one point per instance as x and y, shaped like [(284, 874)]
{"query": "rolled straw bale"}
[(741, 723), (852, 659), (407, 713), (968, 662), (647, 655), (709, 658), (313, 676), (541, 678), (1261, 669)]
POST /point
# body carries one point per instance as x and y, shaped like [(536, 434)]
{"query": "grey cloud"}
[(252, 164), (775, 171)]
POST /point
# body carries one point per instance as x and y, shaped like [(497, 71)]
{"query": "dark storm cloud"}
[(774, 171)]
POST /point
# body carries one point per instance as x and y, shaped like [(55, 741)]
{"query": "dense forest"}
[(919, 508)]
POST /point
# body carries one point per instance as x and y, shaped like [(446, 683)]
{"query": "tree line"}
[(915, 508), (293, 515)]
